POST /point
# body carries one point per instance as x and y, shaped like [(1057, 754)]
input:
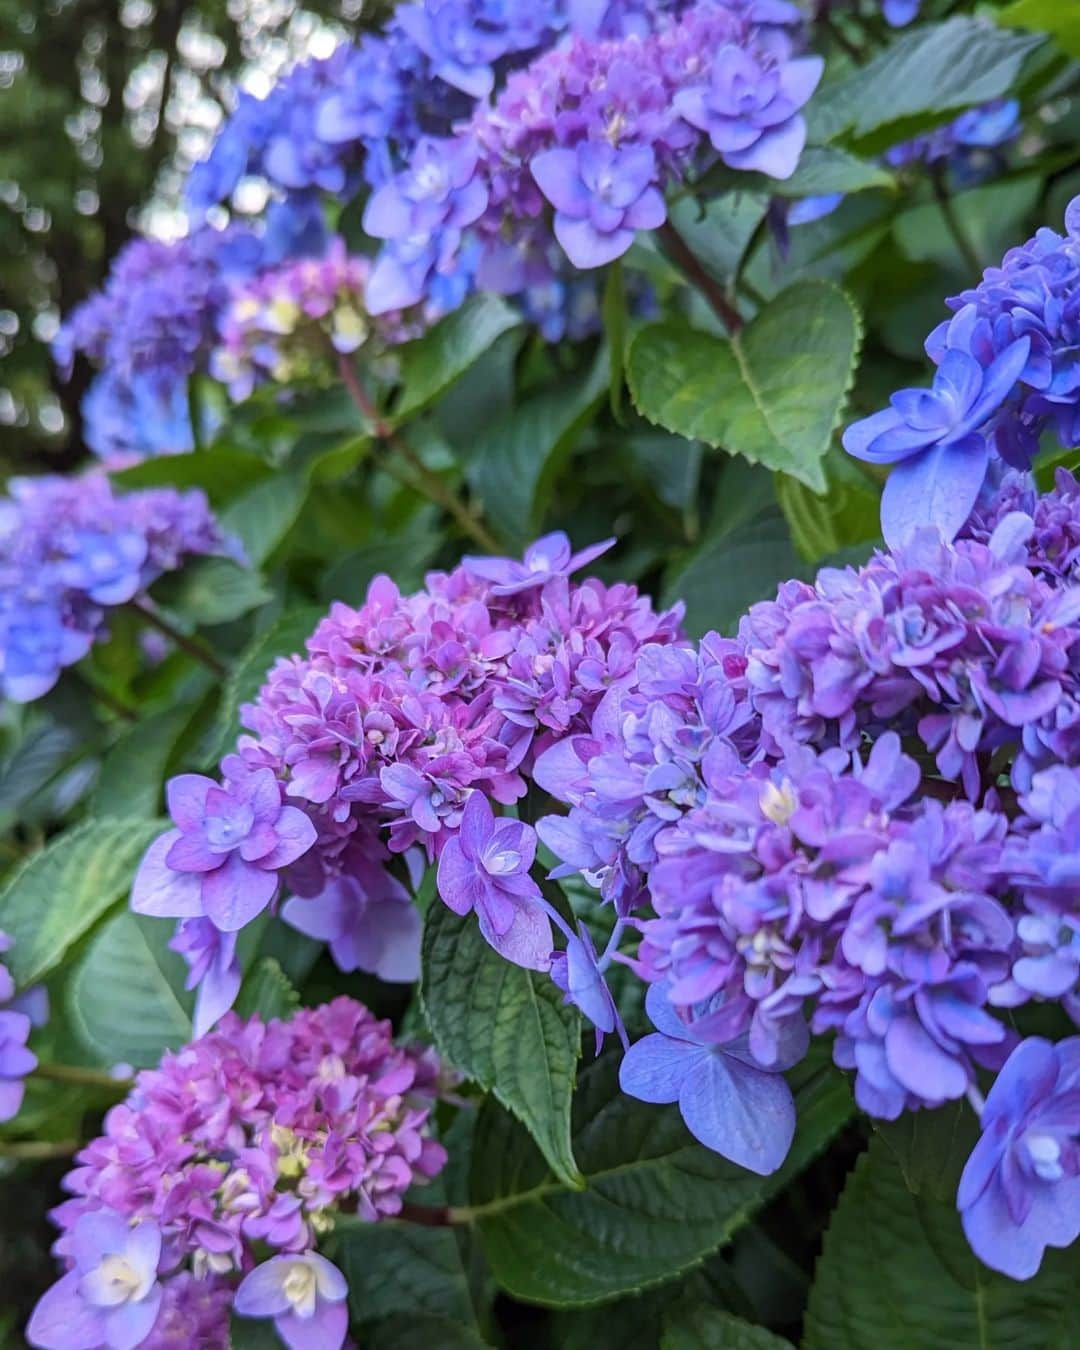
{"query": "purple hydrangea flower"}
[(111, 1298), (223, 858), (728, 1101), (485, 868), (368, 920), (602, 194), (36, 642), (213, 969), (16, 1060), (935, 439), (750, 108), (304, 1294), (1020, 1189), (551, 556), (105, 567)]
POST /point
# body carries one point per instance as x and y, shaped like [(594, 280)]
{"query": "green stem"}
[(952, 223), (692, 269), (429, 483), (76, 1073), (107, 700), (38, 1150), (186, 644)]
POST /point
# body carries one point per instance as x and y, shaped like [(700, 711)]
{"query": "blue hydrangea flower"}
[(1020, 1190), (935, 438), (728, 1101)]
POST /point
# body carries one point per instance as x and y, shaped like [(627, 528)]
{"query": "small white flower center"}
[(300, 1288), (121, 1277)]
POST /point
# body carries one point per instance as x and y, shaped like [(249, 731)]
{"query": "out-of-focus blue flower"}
[(1020, 1190)]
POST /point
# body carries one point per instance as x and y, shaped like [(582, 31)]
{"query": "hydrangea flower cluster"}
[(1007, 369), (70, 549), (255, 1136), (285, 322), (384, 741), (588, 136), (966, 144)]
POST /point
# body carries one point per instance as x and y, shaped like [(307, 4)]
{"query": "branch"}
[(713, 292)]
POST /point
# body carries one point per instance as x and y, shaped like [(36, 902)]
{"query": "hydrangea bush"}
[(541, 761)]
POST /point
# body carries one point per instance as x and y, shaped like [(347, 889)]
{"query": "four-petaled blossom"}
[(935, 439), (551, 556), (368, 921), (304, 1294), (223, 858), (111, 1297), (750, 109), (1020, 1190), (728, 1101), (485, 868), (602, 195)]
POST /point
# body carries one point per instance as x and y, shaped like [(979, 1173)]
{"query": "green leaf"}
[(773, 394), (703, 1327), (1059, 18), (516, 458), (616, 319), (222, 474), (264, 515), (505, 1027), (213, 590), (845, 515), (60, 893), (126, 997), (825, 169), (253, 1333), (932, 1146), (416, 1331), (656, 1202), (405, 1268), (284, 638), (42, 754), (897, 1274), (267, 992), (431, 364), (404, 555), (132, 773), (730, 571), (922, 76)]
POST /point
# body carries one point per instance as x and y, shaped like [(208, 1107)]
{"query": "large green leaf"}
[(774, 393), (922, 76), (126, 998), (419, 1331), (1059, 18), (267, 992), (702, 1327), (285, 638), (397, 1268), (42, 755), (132, 773), (932, 1146), (730, 571), (60, 893), (212, 590), (656, 1201), (845, 515), (505, 1027), (263, 516), (431, 364), (222, 475), (516, 458), (897, 1274)]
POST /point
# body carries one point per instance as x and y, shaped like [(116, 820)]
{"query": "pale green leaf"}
[(431, 364), (1059, 18)]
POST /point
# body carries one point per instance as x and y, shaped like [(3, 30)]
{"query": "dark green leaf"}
[(404, 555), (42, 754), (846, 514), (60, 893), (285, 638), (126, 997), (222, 474), (1059, 18), (132, 773), (896, 1274), (516, 458), (656, 1201), (773, 394), (253, 1333), (932, 1146), (416, 1331), (213, 590), (267, 992), (431, 364), (505, 1027), (825, 169), (921, 77), (615, 316), (263, 516), (405, 1268), (731, 571), (703, 1327)]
